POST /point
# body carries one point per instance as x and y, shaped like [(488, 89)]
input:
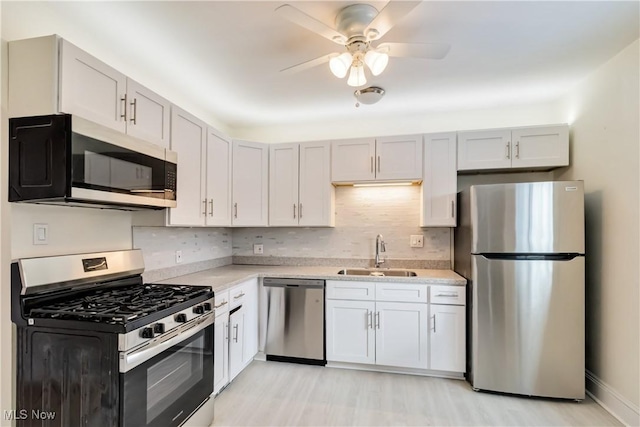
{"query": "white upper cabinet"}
[(250, 184), (283, 184), (300, 190), (188, 139), (49, 75), (539, 147), (148, 114), (439, 185), (399, 158), (92, 89), (218, 180), (386, 159)]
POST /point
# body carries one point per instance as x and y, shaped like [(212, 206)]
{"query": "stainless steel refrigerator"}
[(521, 247)]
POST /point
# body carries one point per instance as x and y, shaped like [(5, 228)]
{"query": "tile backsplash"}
[(361, 214)]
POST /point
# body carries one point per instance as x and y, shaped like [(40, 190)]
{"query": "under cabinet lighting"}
[(384, 184)]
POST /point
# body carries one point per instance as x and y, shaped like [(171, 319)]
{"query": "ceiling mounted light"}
[(369, 95), (340, 64), (356, 76), (376, 61)]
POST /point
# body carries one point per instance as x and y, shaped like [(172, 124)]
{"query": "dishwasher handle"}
[(293, 283)]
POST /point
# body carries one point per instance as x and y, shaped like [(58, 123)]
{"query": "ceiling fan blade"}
[(308, 64), (300, 18), (393, 12), (415, 50)]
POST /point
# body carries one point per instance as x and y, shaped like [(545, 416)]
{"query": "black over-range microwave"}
[(64, 159)]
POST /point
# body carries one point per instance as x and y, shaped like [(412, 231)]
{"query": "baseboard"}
[(625, 411)]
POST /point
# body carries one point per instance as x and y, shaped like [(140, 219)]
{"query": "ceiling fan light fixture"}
[(356, 76), (376, 61), (339, 65)]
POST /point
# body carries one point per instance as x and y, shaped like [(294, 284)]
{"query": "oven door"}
[(165, 389)]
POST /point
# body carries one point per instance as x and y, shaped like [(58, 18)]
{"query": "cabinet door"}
[(316, 194), (220, 352), (283, 184), (402, 334), (353, 160), (399, 158), (250, 327), (543, 146), (250, 183), (439, 185), (91, 89), (236, 343), (188, 137), (148, 114), (489, 149), (447, 330), (350, 333), (218, 180)]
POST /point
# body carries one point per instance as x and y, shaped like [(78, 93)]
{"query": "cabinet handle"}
[(452, 209), (453, 295), (240, 295), (371, 164), (517, 149), (134, 111), (204, 202), (294, 211), (434, 322), (226, 332), (378, 163), (235, 210), (508, 149), (378, 320), (235, 333), (123, 115), (300, 211), (211, 207), (369, 318), (223, 303)]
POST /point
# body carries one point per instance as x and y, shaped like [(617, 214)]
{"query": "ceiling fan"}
[(357, 26)]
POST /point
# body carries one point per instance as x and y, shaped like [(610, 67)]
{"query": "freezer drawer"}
[(528, 326)]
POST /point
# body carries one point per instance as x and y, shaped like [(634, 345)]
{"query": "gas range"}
[(144, 339)]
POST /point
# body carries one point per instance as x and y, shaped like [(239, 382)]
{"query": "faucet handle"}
[(383, 246)]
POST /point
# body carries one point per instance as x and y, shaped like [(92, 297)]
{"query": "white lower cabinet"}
[(378, 332), (393, 325), (235, 332)]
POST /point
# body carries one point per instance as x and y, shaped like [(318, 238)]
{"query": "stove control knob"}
[(198, 309), (181, 318), (207, 306), (147, 333), (158, 328)]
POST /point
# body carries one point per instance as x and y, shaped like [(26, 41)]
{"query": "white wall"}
[(361, 214), (604, 111)]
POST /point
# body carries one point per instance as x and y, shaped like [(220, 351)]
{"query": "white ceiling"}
[(224, 57)]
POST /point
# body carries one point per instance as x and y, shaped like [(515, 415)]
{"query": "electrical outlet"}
[(416, 241), (40, 234), (178, 257), (258, 249)]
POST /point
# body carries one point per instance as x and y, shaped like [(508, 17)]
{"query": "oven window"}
[(169, 378)]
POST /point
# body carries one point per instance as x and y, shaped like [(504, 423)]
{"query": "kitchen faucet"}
[(380, 247)]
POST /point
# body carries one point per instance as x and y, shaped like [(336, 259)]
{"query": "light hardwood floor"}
[(279, 394)]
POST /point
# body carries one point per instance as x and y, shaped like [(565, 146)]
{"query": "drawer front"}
[(453, 295), (401, 292), (221, 302), (351, 290), (237, 296)]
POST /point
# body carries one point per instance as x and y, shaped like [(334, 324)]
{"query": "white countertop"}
[(225, 277)]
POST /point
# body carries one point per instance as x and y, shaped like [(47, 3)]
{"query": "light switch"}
[(40, 234), (416, 241)]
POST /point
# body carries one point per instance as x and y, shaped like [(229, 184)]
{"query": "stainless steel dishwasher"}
[(295, 320)]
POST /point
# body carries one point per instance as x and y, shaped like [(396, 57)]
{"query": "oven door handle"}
[(130, 360)]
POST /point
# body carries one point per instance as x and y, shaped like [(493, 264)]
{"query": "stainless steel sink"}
[(377, 272)]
